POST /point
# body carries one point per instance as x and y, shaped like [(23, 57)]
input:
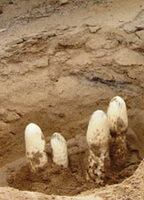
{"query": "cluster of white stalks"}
[(106, 138), (35, 148)]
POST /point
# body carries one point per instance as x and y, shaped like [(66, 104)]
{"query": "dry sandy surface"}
[(59, 63)]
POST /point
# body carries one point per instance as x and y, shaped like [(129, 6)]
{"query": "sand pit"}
[(59, 62)]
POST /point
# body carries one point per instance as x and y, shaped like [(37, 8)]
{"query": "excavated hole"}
[(62, 100)]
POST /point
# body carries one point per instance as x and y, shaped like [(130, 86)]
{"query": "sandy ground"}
[(59, 63)]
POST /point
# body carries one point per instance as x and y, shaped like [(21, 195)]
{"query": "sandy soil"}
[(58, 64)]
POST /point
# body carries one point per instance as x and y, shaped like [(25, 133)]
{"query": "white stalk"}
[(118, 119), (59, 148), (98, 136), (35, 147), (117, 115)]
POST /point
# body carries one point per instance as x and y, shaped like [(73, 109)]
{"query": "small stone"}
[(91, 23), (62, 2), (3, 30), (8, 116), (129, 28), (94, 29), (11, 116), (62, 27)]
